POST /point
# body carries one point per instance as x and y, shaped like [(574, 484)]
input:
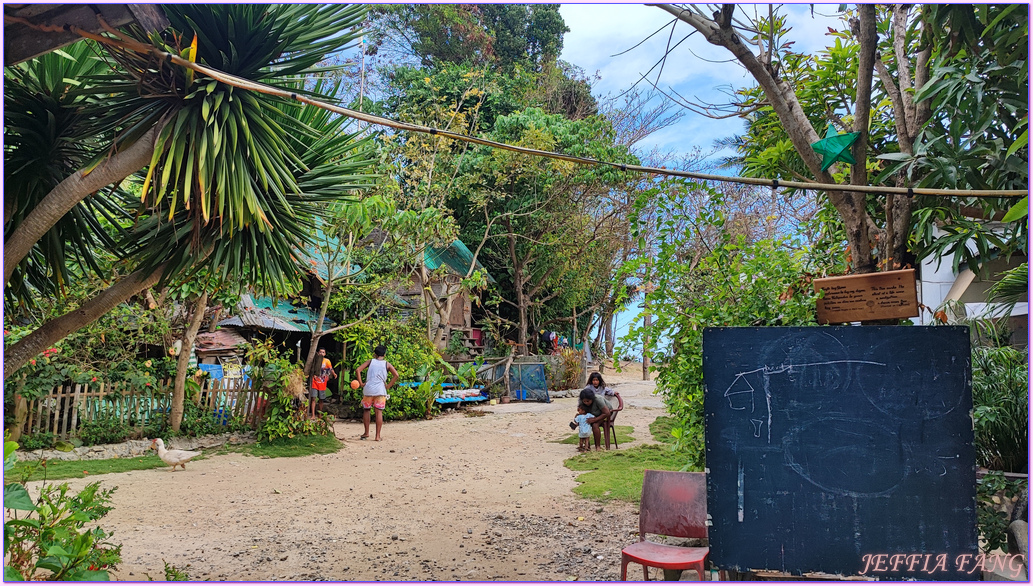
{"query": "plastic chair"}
[(608, 426), (673, 504)]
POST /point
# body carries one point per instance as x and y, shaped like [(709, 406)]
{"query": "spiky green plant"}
[(1000, 397)]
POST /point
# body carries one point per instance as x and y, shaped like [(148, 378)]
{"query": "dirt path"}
[(454, 498)]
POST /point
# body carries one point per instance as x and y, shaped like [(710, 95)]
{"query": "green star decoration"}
[(835, 147)]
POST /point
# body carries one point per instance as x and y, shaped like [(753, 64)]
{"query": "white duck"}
[(173, 457)]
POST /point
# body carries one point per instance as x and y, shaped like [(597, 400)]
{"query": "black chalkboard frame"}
[(825, 445)]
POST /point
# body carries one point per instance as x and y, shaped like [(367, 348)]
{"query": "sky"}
[(695, 69)]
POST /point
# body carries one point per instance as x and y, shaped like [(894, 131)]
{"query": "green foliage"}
[(41, 440), (734, 283), (104, 429), (174, 574), (105, 351), (281, 382), (51, 541), (1000, 398), (48, 135), (456, 346), (198, 421), (408, 349), (570, 359), (412, 355), (504, 35), (993, 522)]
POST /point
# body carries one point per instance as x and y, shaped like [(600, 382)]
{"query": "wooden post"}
[(21, 413), (75, 410)]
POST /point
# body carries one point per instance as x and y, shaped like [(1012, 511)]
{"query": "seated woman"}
[(597, 407)]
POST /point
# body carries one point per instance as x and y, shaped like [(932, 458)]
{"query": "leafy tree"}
[(240, 216), (897, 75), (369, 249), (51, 129), (542, 218), (711, 268), (502, 35)]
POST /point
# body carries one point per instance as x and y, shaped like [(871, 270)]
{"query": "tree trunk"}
[(72, 190), (213, 325), (518, 286), (56, 329), (183, 361), (610, 319)]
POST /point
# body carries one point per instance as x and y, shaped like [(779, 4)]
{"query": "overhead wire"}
[(122, 42)]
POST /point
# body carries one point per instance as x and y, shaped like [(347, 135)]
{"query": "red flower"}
[(148, 384), (93, 380), (33, 362)]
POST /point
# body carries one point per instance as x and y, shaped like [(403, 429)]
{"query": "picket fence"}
[(65, 408)]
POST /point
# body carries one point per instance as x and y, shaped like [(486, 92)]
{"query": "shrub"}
[(47, 539), (993, 522), (408, 350), (1000, 401), (198, 421), (281, 383), (105, 429), (38, 441), (571, 361)]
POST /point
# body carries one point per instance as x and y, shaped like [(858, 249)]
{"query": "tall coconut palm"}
[(221, 186)]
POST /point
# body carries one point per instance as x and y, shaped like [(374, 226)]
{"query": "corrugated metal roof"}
[(218, 340), (456, 255), (262, 314)]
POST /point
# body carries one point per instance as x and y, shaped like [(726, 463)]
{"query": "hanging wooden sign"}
[(872, 296)]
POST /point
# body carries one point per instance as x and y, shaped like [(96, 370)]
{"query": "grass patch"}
[(661, 429), (63, 469), (287, 447), (623, 436), (618, 474), (280, 448)]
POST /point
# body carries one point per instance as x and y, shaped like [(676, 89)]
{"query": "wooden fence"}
[(64, 409)]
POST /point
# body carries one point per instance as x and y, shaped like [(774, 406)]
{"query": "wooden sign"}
[(887, 295)]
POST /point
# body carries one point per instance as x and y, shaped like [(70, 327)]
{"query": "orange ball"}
[(355, 384)]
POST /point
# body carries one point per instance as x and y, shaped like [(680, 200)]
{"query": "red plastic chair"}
[(609, 427), (673, 504)]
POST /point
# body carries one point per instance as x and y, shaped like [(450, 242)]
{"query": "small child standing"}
[(584, 428)]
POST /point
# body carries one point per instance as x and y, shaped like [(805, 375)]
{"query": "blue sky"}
[(695, 69)]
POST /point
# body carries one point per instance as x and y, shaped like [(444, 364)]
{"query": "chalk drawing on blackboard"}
[(847, 456), (757, 424), (740, 394)]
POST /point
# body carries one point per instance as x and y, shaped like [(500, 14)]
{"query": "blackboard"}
[(825, 445)]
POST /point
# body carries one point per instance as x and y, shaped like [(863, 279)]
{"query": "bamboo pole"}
[(128, 44)]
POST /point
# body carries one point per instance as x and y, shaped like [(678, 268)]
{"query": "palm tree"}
[(50, 131), (226, 185)]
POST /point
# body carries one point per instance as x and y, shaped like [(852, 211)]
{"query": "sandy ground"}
[(453, 498)]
